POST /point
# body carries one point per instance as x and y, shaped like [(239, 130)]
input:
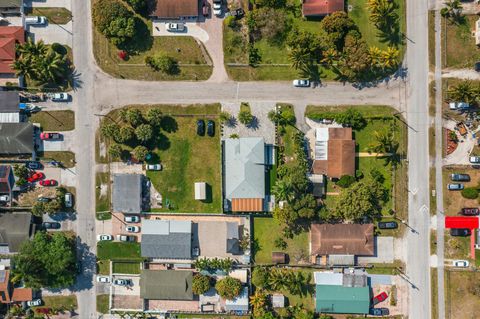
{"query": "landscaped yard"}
[(102, 303), (265, 231), (54, 120), (459, 44), (67, 158), (102, 192), (456, 247), (53, 15), (69, 302), (126, 268), (462, 296), (453, 200), (118, 251)]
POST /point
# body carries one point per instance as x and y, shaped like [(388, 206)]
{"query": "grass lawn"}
[(193, 65), (54, 120), (118, 251), (460, 46), (457, 247), (453, 200), (288, 141), (461, 302), (126, 268), (53, 15), (102, 192), (265, 231), (102, 303), (434, 294), (366, 165), (60, 301), (66, 157), (385, 269), (103, 267)]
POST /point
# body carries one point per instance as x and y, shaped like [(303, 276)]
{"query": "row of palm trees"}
[(383, 13), (464, 91)]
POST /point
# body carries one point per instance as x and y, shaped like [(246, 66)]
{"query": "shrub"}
[(140, 152), (224, 117), (200, 284), (260, 277), (134, 117), (109, 130), (162, 62), (470, 193), (154, 116), (234, 135), (122, 55), (228, 288), (114, 20), (144, 132), (280, 243), (115, 151), (126, 134), (346, 181), (245, 115), (22, 173), (377, 176), (60, 49)]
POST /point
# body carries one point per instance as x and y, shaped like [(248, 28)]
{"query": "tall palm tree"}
[(383, 13), (51, 67), (22, 67), (296, 282), (463, 92), (389, 57), (31, 49), (452, 10), (299, 59), (278, 279), (258, 300), (386, 147)]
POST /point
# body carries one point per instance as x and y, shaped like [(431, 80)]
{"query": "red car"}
[(48, 182), (35, 177), (50, 136), (379, 298)]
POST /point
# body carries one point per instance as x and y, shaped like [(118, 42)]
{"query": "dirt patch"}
[(453, 200), (463, 294), (29, 198)]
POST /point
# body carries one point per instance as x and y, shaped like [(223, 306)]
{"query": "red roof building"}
[(9, 294), (319, 8), (9, 37)]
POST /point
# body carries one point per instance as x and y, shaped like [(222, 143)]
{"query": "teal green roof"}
[(340, 299)]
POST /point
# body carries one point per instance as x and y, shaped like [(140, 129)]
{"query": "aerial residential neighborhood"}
[(239, 159)]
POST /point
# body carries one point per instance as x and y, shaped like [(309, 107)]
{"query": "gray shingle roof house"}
[(14, 230), (166, 239), (16, 138), (244, 171), (127, 193), (166, 284), (10, 6), (9, 107)]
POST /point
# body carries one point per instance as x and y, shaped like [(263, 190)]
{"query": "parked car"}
[(34, 302), (469, 211), (301, 83), (126, 238), (475, 159), (455, 187), (48, 182), (60, 97), (205, 8), (379, 298), (460, 232), (104, 237), (460, 177), (201, 127), (458, 105), (388, 225), (175, 27), (51, 225), (42, 199), (33, 165), (461, 263), (132, 229), (131, 219), (68, 200), (36, 176), (477, 66), (217, 7), (4, 198), (103, 279), (379, 311), (50, 136), (122, 282), (154, 167), (36, 20), (211, 128), (238, 13)]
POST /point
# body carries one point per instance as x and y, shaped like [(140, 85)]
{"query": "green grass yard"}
[(102, 192), (126, 268), (102, 303), (461, 51), (53, 15), (54, 120), (66, 157), (60, 301), (118, 251)]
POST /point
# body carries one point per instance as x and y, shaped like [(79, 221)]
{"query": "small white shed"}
[(200, 191)]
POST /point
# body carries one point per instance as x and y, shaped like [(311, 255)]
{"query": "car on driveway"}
[(36, 20), (175, 27), (4, 198), (36, 176), (455, 187), (460, 177), (122, 282), (201, 127), (217, 7), (60, 97), (460, 232), (302, 83), (68, 200), (388, 225), (461, 263), (51, 225), (104, 279), (132, 229), (238, 13), (211, 128), (34, 302), (474, 159), (126, 238), (104, 237), (50, 136), (379, 312), (33, 165), (379, 298), (131, 219), (154, 167), (469, 211), (205, 8), (42, 199), (48, 182)]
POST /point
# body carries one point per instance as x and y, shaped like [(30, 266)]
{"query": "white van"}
[(38, 20), (68, 200)]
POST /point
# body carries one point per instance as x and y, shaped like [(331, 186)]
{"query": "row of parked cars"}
[(456, 177), (210, 128)]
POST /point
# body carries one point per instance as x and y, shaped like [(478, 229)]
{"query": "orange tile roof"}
[(9, 36), (22, 294), (247, 204), (322, 7), (342, 239), (5, 295)]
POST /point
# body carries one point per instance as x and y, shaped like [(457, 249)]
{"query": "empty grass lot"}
[(453, 200), (54, 120), (265, 231), (462, 294), (126, 268), (459, 44), (118, 251), (69, 302), (102, 303), (102, 192), (53, 15), (66, 157)]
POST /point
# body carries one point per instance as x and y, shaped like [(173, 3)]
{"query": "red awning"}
[(461, 222)]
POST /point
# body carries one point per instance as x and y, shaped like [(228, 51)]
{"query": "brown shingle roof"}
[(247, 204), (174, 9), (342, 239), (322, 7)]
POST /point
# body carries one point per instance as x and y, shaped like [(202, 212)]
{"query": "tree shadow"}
[(169, 124), (142, 40), (254, 123), (75, 79), (162, 142)]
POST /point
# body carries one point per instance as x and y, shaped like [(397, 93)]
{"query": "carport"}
[(464, 222)]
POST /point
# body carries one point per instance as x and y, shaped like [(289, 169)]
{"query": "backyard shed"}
[(278, 301), (200, 191), (279, 257)]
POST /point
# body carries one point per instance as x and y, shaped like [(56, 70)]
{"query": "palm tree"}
[(278, 279), (386, 147), (51, 67), (383, 13), (375, 55), (296, 282), (21, 67), (283, 190), (389, 58), (463, 92), (31, 49), (258, 300), (300, 59), (452, 10), (330, 56)]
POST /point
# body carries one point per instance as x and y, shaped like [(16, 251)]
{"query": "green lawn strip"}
[(102, 303), (103, 215), (60, 301), (118, 251), (67, 158), (368, 111), (431, 39), (53, 15), (103, 267), (102, 202), (460, 46), (265, 231), (288, 140), (434, 284), (126, 267), (185, 50), (54, 120), (385, 269)]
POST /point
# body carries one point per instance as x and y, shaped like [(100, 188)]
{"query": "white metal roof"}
[(165, 227), (10, 117), (200, 191), (328, 278)]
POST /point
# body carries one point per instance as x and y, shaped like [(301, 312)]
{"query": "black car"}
[(470, 211), (51, 225), (388, 225), (461, 232), (211, 128), (379, 311), (201, 127), (33, 165), (238, 13), (477, 66), (460, 177)]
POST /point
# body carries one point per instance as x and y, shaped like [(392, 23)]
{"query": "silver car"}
[(175, 27), (303, 83)]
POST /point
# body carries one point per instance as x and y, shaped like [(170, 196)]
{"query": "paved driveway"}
[(49, 4), (384, 252), (57, 146), (51, 33), (192, 29)]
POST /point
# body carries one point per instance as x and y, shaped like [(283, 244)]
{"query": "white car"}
[(131, 219), (301, 83), (217, 8), (461, 263), (34, 302), (132, 229), (154, 167), (38, 20), (4, 198), (458, 105), (122, 282), (175, 27), (104, 237), (475, 159), (125, 238), (104, 279), (68, 200), (60, 97)]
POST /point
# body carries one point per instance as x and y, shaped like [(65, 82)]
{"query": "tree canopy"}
[(228, 287), (114, 20)]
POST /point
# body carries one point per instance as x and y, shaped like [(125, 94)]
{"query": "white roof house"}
[(200, 191), (328, 278), (239, 303)]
